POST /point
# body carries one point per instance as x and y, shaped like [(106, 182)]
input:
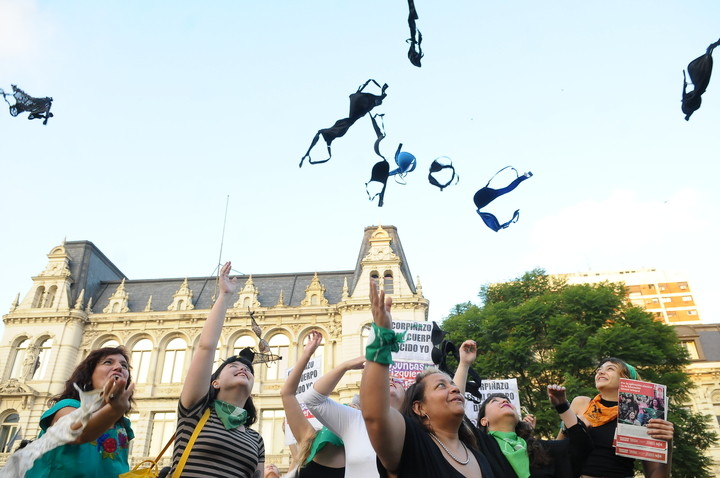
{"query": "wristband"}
[(562, 408), (381, 343)]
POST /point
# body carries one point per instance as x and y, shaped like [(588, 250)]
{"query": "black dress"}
[(566, 456), (315, 470), (603, 461), (421, 457)]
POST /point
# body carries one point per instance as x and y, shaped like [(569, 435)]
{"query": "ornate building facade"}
[(82, 301), (702, 341)]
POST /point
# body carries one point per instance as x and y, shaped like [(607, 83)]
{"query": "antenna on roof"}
[(222, 239), (222, 242)]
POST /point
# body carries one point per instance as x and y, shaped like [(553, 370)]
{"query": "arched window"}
[(279, 345), (242, 342), (217, 358), (110, 343), (9, 430), (715, 399), (364, 334), (20, 351), (374, 275), (115, 308), (38, 299), (43, 359), (141, 352), (314, 300), (246, 302), (50, 297), (180, 304), (174, 361), (388, 282)]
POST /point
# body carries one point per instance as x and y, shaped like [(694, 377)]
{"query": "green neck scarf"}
[(323, 437), (515, 450), (230, 415)]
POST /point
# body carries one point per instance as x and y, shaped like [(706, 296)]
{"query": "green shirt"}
[(105, 457)]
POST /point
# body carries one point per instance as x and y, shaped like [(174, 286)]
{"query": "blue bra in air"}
[(487, 194)]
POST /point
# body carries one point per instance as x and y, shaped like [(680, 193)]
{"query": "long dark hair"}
[(249, 405), (82, 375), (416, 393), (537, 454)]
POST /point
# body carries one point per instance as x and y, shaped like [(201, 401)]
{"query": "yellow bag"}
[(151, 471), (142, 472)]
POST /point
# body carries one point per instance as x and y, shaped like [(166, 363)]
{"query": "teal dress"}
[(105, 457)]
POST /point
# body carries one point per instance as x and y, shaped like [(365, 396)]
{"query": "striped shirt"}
[(217, 452)]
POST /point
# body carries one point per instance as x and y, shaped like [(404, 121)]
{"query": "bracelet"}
[(562, 408), (381, 343)]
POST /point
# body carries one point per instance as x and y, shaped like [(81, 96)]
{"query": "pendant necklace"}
[(467, 453)]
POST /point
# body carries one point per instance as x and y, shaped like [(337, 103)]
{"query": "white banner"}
[(312, 372), (417, 345), (508, 387)]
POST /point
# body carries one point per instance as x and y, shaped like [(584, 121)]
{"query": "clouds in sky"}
[(623, 230), (21, 29)]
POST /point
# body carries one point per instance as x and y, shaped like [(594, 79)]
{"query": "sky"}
[(166, 111)]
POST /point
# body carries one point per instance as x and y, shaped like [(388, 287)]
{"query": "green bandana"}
[(381, 343), (230, 415), (515, 450), (323, 437)]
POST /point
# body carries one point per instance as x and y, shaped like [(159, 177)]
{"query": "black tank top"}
[(602, 460), (315, 470)]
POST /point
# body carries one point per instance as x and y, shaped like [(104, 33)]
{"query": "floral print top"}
[(102, 458)]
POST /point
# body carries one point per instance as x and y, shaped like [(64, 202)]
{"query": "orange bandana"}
[(598, 414)]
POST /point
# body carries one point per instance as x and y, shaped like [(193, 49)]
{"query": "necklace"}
[(467, 453)]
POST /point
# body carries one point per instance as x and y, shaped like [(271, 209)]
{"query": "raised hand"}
[(358, 363), (227, 285), (556, 393), (116, 395), (468, 352), (314, 341), (380, 306)]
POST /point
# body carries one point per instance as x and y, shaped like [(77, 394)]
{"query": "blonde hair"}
[(304, 448)]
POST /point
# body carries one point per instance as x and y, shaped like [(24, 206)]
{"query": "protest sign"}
[(508, 387), (312, 372), (417, 345), (639, 402)]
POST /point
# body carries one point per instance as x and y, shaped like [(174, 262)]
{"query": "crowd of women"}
[(387, 431)]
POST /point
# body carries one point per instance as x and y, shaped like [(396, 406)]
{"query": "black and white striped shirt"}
[(217, 452)]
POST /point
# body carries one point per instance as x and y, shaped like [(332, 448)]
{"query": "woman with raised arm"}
[(600, 415), (101, 450), (507, 441), (226, 445), (321, 452), (429, 439), (346, 422)]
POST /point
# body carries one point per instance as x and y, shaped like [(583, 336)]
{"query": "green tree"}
[(541, 331)]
